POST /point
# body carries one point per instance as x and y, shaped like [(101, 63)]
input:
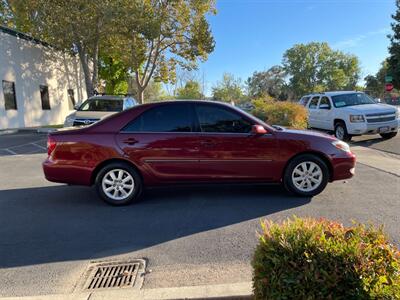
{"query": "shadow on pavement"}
[(62, 223)]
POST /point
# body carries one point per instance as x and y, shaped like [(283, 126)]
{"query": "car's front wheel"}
[(118, 184), (306, 175), (388, 135), (341, 132)]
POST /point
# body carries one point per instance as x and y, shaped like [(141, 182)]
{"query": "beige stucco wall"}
[(30, 65)]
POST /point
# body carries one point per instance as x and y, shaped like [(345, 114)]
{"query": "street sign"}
[(388, 78), (389, 87)]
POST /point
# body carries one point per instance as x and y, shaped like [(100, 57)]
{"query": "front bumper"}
[(343, 166), (373, 128)]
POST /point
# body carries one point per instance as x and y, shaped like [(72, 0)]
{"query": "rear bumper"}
[(372, 128), (66, 172), (343, 167)]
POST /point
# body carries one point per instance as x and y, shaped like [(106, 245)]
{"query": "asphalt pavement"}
[(49, 232)]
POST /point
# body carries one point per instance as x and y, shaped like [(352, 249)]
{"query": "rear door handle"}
[(130, 141)]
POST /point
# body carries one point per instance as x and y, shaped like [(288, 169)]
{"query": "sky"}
[(252, 35)]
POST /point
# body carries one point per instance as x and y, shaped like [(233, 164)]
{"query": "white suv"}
[(350, 113)]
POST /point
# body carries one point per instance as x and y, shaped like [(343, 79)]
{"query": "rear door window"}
[(325, 102), (176, 117)]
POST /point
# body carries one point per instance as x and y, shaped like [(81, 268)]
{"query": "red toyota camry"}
[(192, 141)]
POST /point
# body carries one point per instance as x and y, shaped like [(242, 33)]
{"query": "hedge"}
[(283, 113), (321, 259)]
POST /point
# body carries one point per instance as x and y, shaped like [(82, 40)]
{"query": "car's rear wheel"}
[(341, 132), (306, 175), (388, 135), (119, 184)]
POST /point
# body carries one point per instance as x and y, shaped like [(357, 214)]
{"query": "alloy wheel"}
[(118, 184), (307, 176)]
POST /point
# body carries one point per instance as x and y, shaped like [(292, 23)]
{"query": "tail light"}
[(51, 145)]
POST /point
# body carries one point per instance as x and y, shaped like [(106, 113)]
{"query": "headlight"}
[(69, 121), (342, 146), (356, 118)]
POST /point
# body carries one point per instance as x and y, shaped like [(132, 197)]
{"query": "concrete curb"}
[(380, 160), (241, 290)]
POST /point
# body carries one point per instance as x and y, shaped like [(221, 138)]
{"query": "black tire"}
[(288, 179), (388, 135), (345, 136), (134, 196)]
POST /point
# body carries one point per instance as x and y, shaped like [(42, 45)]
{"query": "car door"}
[(313, 112), (228, 150), (161, 140), (324, 114)]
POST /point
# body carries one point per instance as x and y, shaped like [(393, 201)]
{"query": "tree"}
[(153, 92), (75, 25), (375, 84), (191, 90), (154, 36), (315, 67), (229, 89), (394, 48), (115, 75), (268, 83)]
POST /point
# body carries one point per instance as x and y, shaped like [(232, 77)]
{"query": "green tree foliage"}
[(270, 82), (154, 91), (230, 89), (191, 90), (375, 84), (115, 74), (316, 67), (394, 48), (154, 36)]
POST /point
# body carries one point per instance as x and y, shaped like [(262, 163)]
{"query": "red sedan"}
[(192, 141)]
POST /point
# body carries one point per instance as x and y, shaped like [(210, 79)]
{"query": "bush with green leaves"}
[(282, 113), (321, 259)]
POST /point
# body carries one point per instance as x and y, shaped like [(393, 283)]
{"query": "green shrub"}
[(320, 259), (282, 113)]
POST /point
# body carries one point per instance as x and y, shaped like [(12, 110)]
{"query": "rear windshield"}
[(102, 105), (351, 99)]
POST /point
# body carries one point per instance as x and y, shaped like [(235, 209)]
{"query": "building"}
[(39, 84)]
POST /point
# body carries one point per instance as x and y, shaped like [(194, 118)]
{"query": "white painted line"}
[(10, 151), (41, 147)]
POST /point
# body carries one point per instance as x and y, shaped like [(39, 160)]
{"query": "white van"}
[(350, 113)]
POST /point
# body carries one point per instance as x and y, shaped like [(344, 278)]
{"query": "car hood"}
[(306, 133), (91, 114), (370, 108)]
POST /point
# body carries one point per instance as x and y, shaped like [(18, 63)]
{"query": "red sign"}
[(389, 87)]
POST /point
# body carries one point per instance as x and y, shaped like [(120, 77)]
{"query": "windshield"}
[(351, 99), (101, 105)]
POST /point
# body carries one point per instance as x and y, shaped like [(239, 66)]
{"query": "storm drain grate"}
[(114, 275)]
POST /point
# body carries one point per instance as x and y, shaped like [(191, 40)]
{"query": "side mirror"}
[(325, 106), (258, 130)]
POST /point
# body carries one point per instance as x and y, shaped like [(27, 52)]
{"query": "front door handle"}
[(130, 141)]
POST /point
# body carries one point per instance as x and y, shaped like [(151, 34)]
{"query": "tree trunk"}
[(140, 95), (86, 71)]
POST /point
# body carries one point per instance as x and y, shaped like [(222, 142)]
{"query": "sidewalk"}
[(383, 161), (220, 291)]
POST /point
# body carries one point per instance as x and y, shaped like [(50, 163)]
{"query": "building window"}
[(71, 99), (10, 101), (44, 96)]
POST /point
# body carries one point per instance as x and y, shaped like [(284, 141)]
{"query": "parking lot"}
[(189, 235)]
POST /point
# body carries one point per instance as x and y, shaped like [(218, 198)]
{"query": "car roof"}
[(333, 93)]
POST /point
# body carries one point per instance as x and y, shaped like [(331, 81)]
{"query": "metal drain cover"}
[(115, 274)]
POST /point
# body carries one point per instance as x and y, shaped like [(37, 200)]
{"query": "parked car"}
[(304, 100), (97, 107), (192, 141), (351, 113)]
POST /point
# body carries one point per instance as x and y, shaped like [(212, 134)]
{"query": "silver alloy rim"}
[(118, 184), (340, 132), (307, 176)]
